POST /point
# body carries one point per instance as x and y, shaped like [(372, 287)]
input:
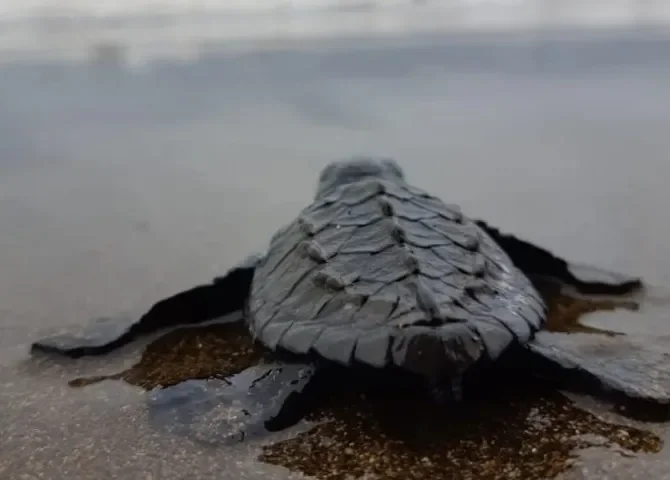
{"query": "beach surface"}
[(122, 185)]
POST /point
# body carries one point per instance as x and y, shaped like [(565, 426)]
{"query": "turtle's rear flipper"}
[(634, 374), (262, 398), (538, 263), (207, 302)]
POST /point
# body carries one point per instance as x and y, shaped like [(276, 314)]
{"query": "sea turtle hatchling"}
[(374, 272)]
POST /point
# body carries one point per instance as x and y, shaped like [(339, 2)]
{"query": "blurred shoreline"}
[(142, 32)]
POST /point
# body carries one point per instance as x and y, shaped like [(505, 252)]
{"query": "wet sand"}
[(118, 188)]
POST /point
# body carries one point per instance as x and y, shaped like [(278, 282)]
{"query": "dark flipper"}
[(224, 295), (262, 398), (536, 262), (634, 374)]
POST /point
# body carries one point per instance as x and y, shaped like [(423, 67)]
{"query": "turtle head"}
[(342, 172)]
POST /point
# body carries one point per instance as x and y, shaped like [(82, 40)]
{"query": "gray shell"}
[(382, 273)]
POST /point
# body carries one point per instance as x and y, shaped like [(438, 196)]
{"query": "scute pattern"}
[(382, 273)]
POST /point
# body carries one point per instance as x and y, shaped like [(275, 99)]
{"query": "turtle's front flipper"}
[(633, 373), (202, 303), (262, 398), (536, 262)]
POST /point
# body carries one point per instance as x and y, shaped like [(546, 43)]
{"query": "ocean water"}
[(149, 29)]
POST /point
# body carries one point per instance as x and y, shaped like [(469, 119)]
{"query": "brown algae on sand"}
[(189, 353), (565, 311), (524, 431), (523, 434)]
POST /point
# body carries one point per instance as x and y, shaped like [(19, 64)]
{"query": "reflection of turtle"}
[(374, 273)]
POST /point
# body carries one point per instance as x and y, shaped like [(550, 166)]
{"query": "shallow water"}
[(118, 188)]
